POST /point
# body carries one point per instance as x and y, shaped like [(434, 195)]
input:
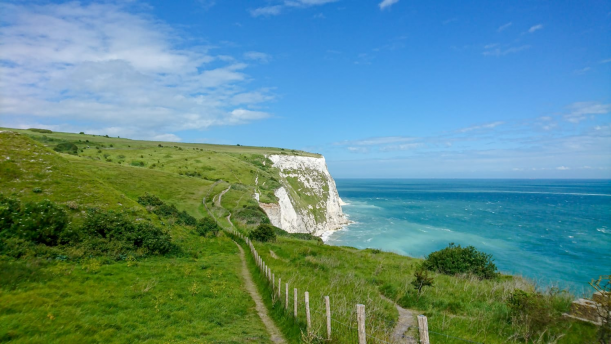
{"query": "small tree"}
[(422, 279), (264, 232), (455, 259)]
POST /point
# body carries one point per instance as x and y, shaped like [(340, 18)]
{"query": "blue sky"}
[(386, 88)]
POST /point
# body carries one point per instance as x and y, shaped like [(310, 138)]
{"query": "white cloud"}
[(166, 137), (402, 147), (274, 10), (387, 3), (504, 26), (535, 28), (582, 70), (267, 11), (580, 111), (362, 150), (482, 126), (378, 141), (102, 67), (563, 168), (605, 61), (257, 56), (498, 51)]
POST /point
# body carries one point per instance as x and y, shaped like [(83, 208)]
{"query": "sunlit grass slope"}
[(194, 296)]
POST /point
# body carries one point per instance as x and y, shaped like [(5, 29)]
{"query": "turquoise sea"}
[(556, 232)]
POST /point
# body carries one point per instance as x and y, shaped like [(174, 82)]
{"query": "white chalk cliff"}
[(308, 201)]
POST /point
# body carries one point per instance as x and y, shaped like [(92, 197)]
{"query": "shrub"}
[(149, 199), (264, 232), (115, 232), (66, 147), (207, 225), (184, 218), (44, 131), (82, 133), (39, 222), (456, 260), (37, 190), (137, 163)]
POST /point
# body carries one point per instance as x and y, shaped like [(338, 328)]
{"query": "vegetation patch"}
[(455, 259)]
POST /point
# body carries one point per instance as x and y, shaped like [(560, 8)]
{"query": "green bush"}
[(264, 232), (109, 229), (44, 131), (66, 147), (455, 259), (207, 225), (39, 222), (149, 199)]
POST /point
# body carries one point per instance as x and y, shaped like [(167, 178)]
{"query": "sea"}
[(556, 233)]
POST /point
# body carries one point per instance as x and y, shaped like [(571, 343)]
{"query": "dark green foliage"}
[(149, 199), (117, 230), (455, 259), (38, 222), (422, 279), (300, 236), (251, 215), (82, 133), (37, 190), (167, 211), (66, 147), (44, 131), (207, 225), (138, 163), (264, 232)]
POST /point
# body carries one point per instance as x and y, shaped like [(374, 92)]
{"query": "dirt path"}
[(276, 335), (404, 323), (218, 201)]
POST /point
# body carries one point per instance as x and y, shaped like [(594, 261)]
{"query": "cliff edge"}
[(308, 201)]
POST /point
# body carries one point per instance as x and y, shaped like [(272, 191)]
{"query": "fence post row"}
[(423, 328), (360, 318)]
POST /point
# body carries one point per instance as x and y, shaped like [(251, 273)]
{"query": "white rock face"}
[(308, 201)]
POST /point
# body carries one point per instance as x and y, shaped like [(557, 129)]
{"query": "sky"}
[(383, 89)]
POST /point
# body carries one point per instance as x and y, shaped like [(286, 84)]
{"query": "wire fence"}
[(318, 323)]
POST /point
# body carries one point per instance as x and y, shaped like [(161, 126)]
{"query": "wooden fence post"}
[(279, 289), (295, 302), (360, 318), (286, 301), (273, 283), (307, 307), (328, 308), (423, 328)]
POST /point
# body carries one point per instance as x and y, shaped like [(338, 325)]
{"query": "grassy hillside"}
[(63, 295), (193, 293)]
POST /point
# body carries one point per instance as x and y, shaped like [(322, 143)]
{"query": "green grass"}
[(458, 306), (156, 300)]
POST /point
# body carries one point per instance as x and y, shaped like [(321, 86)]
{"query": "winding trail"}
[(218, 200), (404, 323), (276, 335)]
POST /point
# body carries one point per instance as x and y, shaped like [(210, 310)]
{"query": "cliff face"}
[(308, 201)]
